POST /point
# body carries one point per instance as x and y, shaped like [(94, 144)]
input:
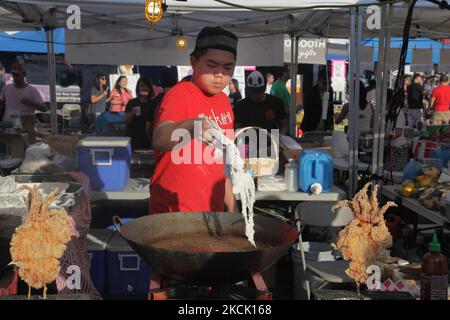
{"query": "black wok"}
[(207, 268)]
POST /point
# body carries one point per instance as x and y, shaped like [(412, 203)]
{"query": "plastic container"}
[(441, 154), (127, 273), (97, 240), (110, 124), (291, 176), (434, 273), (106, 161), (315, 166)]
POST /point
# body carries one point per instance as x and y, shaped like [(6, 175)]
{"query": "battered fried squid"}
[(366, 239), (40, 241)]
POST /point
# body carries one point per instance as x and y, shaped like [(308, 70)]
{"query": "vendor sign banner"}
[(310, 51)]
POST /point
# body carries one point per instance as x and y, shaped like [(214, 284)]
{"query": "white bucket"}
[(314, 251)]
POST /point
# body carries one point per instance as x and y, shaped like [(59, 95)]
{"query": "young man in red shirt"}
[(440, 102), (184, 179)]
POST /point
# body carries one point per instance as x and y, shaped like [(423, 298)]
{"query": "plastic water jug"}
[(315, 166)]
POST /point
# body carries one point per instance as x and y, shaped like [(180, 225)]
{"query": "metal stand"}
[(159, 290)]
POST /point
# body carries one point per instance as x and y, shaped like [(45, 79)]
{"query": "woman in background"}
[(99, 96), (120, 95), (138, 110), (235, 94)]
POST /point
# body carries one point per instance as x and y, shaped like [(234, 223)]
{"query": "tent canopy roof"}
[(306, 18)]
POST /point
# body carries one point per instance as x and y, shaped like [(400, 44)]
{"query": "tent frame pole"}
[(379, 91), (49, 33), (293, 71), (355, 41), (383, 96)]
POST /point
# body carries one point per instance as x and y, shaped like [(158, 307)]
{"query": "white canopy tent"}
[(114, 29)]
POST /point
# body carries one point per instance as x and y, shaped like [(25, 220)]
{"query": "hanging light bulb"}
[(182, 42), (153, 10)]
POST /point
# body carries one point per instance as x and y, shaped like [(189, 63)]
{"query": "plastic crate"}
[(127, 273)]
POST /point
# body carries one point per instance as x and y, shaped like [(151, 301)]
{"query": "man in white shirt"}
[(269, 81), (20, 98)]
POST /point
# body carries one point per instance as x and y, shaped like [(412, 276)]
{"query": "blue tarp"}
[(30, 41), (413, 43)]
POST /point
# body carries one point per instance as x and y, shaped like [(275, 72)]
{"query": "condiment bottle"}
[(291, 176), (434, 273)]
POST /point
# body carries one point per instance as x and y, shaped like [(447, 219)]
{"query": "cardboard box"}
[(321, 147), (16, 143), (65, 145), (28, 126)]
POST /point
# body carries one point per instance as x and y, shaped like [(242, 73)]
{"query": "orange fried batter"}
[(366, 239), (38, 244)]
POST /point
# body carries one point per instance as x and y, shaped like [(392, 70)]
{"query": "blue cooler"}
[(97, 239), (127, 273), (443, 154), (110, 124), (315, 166), (106, 161)]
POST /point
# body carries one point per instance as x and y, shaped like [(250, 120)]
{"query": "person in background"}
[(269, 82), (259, 109), (168, 79), (137, 112), (365, 112), (371, 92), (20, 98), (406, 84), (99, 96), (2, 77), (120, 95), (312, 105), (235, 94), (415, 100), (280, 90), (440, 102), (428, 87)]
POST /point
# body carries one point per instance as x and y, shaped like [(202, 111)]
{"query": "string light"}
[(182, 42), (153, 11)]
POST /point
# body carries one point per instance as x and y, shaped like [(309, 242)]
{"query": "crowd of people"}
[(266, 103)]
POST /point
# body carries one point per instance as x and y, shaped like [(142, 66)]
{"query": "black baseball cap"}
[(216, 38)]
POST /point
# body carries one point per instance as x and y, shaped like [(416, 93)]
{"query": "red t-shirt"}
[(442, 95), (195, 185)]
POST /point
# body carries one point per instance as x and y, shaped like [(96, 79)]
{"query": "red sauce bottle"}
[(434, 273)]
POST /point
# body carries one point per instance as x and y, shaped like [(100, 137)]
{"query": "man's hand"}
[(207, 134)]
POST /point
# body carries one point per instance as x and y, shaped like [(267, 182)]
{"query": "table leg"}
[(415, 227)]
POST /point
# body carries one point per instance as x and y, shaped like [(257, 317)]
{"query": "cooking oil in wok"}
[(206, 243)]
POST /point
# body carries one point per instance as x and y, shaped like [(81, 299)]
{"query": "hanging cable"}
[(398, 99), (292, 9)]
